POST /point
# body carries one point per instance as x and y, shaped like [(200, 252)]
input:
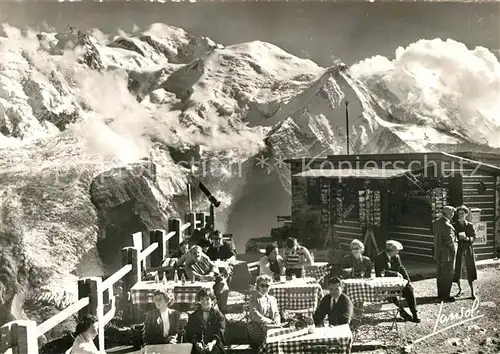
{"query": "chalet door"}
[(455, 190)]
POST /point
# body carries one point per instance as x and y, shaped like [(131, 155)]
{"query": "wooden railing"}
[(21, 337)]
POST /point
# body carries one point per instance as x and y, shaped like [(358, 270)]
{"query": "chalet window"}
[(415, 210), (313, 191), (351, 204)]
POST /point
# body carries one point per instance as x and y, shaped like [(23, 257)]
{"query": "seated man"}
[(200, 234), (199, 267), (180, 254), (355, 265), (389, 263), (220, 250), (336, 305), (223, 251), (296, 257), (183, 248), (205, 245)]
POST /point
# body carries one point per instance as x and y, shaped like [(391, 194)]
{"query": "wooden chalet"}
[(394, 196)]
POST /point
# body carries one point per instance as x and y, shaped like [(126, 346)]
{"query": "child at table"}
[(162, 324), (206, 325), (264, 312)]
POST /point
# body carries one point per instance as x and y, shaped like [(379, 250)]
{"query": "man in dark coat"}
[(336, 305), (445, 251), (219, 249), (224, 251), (389, 263)]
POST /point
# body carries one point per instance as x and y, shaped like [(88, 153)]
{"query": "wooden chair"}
[(372, 310), (253, 270)]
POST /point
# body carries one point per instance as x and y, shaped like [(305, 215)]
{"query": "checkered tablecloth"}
[(142, 292), (318, 270), (371, 290), (338, 337), (297, 294)]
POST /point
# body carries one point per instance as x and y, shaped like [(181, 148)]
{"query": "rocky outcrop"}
[(127, 200)]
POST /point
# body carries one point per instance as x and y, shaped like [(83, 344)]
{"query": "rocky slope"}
[(100, 135)]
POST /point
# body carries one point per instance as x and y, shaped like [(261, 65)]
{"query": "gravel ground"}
[(481, 335)]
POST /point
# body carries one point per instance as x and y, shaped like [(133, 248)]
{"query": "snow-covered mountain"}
[(99, 135)]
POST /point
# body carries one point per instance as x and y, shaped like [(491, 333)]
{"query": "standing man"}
[(445, 251), (296, 257)]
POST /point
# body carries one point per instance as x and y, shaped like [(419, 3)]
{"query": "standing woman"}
[(465, 266)]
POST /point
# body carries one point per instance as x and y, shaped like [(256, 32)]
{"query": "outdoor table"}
[(184, 348), (142, 292), (371, 290), (297, 294), (318, 270), (290, 341), (221, 265)]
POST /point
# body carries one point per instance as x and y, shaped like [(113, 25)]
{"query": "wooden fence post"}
[(140, 240), (91, 287), (156, 258), (21, 336), (201, 219), (191, 217), (130, 255), (174, 224)]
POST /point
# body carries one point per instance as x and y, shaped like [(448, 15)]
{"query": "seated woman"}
[(264, 313), (206, 325), (272, 263), (355, 265), (86, 331), (161, 325)]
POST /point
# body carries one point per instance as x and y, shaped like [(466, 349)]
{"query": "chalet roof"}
[(371, 173), (443, 156)]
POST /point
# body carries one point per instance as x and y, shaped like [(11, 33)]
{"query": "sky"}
[(314, 30)]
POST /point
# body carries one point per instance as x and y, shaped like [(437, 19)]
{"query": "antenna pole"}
[(190, 198), (347, 124)]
